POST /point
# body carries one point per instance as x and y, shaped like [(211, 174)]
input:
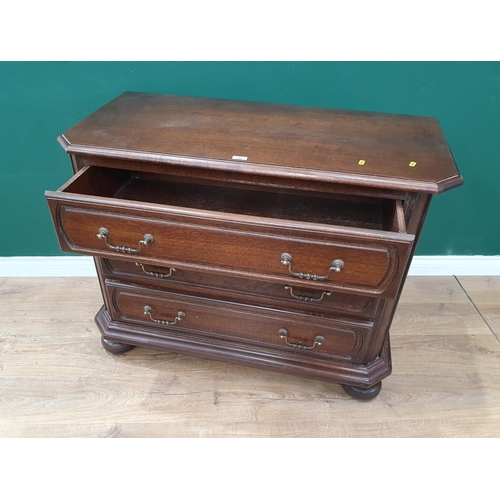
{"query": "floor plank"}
[(56, 380), (484, 291)]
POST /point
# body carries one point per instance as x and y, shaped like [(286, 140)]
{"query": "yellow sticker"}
[(412, 164), (361, 162)]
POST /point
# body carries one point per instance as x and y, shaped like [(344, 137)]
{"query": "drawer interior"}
[(341, 210)]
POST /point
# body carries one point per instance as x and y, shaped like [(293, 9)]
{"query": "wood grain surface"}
[(57, 381), (359, 148)]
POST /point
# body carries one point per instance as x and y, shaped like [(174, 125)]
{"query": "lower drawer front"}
[(175, 314), (292, 296)]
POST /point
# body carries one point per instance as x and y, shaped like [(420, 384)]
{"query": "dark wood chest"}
[(270, 235)]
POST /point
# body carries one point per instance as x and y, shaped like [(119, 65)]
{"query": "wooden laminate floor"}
[(57, 381)]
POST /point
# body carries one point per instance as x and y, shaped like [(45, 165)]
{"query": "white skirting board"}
[(451, 265)]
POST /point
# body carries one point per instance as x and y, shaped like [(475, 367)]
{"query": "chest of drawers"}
[(269, 235)]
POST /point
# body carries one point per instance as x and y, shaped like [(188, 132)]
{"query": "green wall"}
[(40, 100)]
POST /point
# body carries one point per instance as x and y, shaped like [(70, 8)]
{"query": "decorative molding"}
[(442, 265)]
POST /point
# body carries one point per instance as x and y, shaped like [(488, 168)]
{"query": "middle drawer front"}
[(295, 297), (173, 314)]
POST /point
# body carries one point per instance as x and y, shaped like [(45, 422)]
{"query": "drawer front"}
[(293, 297), (174, 315), (240, 246)]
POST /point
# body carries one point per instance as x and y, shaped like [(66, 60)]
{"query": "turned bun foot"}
[(115, 347), (363, 394)]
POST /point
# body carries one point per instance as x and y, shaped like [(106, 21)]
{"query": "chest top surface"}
[(359, 148)]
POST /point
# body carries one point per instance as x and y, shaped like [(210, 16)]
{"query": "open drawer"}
[(352, 244)]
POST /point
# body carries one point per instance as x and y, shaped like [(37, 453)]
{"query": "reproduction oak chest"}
[(274, 236)]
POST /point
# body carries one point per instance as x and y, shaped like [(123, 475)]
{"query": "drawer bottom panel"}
[(177, 315)]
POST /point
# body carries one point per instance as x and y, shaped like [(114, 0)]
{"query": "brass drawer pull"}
[(156, 274), (337, 265), (305, 298), (180, 316), (103, 234), (318, 340)]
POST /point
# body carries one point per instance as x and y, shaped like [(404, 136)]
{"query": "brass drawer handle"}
[(318, 340), (305, 298), (103, 234), (180, 316), (337, 265), (156, 274)]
